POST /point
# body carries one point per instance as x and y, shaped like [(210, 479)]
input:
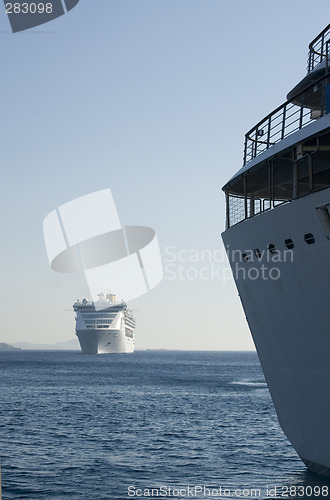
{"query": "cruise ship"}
[(277, 238), (105, 326)]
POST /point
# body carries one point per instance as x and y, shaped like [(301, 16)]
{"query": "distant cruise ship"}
[(278, 241), (105, 326)]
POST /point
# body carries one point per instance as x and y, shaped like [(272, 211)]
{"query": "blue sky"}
[(152, 99)]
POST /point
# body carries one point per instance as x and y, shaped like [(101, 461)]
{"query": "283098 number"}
[(304, 491), (26, 8)]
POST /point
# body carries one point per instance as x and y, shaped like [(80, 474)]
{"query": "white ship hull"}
[(289, 317), (104, 327), (101, 341)]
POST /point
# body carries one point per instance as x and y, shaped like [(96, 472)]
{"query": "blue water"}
[(90, 427)]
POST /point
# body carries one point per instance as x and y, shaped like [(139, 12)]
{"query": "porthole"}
[(257, 253), (245, 257), (272, 248), (289, 244), (309, 238)]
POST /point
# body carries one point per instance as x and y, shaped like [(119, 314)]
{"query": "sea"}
[(153, 424)]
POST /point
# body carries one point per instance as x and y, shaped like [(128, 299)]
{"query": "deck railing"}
[(280, 180), (308, 105), (318, 49), (240, 208)]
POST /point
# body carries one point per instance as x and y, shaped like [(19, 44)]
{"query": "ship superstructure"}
[(104, 326), (277, 238)]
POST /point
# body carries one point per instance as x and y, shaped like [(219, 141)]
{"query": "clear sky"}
[(152, 99)]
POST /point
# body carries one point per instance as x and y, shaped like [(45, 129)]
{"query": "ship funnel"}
[(111, 298)]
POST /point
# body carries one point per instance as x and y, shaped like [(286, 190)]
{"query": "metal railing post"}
[(268, 132), (245, 150), (252, 205), (272, 187), (283, 121), (322, 47), (301, 116), (309, 61), (270, 183), (255, 144)]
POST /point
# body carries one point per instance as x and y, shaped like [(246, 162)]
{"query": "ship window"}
[(272, 248), (282, 181), (309, 238), (245, 257), (285, 177), (302, 173), (321, 161), (324, 216), (289, 244)]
